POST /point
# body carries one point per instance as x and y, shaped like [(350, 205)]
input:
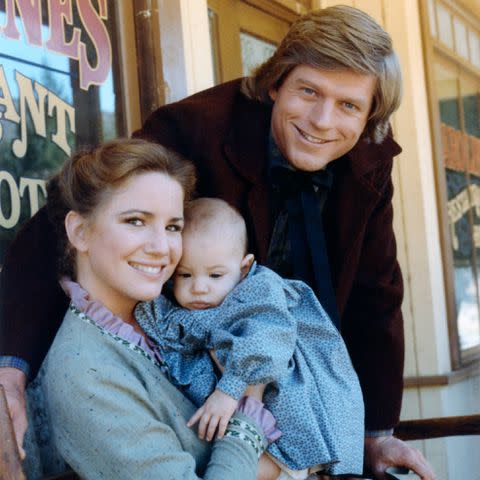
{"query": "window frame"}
[(436, 52), (266, 20)]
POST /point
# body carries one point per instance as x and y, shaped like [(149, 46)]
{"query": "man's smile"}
[(311, 138)]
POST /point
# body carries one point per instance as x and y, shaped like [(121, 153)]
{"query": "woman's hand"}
[(213, 415), (14, 381)]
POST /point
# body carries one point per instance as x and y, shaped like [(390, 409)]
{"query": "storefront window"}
[(245, 34), (461, 191), (458, 94), (255, 51), (60, 90)]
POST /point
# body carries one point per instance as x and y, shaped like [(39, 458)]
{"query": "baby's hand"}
[(216, 412)]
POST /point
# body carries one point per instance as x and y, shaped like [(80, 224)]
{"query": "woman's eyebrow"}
[(136, 211), (147, 213)]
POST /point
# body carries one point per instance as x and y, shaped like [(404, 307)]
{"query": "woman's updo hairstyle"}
[(90, 176)]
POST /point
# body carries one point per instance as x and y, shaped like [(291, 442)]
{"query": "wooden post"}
[(149, 57), (10, 463)]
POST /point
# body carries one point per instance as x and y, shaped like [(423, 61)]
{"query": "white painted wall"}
[(463, 452), (452, 458), (186, 50)]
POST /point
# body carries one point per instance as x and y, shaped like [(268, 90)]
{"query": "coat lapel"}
[(246, 149), (349, 206)]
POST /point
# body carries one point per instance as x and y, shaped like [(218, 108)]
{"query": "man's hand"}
[(384, 452), (14, 381), (216, 412)]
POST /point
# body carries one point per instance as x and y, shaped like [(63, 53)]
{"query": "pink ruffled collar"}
[(104, 318)]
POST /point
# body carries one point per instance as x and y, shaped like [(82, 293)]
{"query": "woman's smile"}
[(150, 269)]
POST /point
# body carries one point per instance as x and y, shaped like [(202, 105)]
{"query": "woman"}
[(113, 413)]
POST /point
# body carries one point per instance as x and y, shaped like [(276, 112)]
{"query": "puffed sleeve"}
[(252, 332), (184, 352)]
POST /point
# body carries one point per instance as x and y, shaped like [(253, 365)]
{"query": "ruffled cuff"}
[(256, 410), (232, 385)]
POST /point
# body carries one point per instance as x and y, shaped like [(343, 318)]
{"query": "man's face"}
[(319, 115)]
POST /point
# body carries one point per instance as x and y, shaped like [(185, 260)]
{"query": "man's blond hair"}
[(337, 38)]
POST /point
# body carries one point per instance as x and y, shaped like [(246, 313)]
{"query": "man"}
[(323, 100)]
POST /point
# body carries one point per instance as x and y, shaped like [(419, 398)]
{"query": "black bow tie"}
[(288, 181), (304, 194)]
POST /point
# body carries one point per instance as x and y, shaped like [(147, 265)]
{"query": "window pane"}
[(461, 45), (59, 89), (469, 331), (447, 88), (469, 324), (445, 25), (213, 28), (459, 207), (474, 40), (254, 52), (461, 186), (471, 114), (431, 18)]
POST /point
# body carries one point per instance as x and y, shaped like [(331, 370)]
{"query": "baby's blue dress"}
[(270, 330)]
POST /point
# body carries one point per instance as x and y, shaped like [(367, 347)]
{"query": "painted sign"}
[(461, 154), (55, 70)]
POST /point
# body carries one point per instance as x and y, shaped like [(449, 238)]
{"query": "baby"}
[(261, 330)]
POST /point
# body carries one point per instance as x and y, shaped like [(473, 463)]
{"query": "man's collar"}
[(276, 160), (275, 156), (367, 156)]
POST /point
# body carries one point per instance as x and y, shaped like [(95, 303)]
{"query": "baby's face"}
[(209, 269)]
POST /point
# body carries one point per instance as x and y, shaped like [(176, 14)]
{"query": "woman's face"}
[(132, 242)]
